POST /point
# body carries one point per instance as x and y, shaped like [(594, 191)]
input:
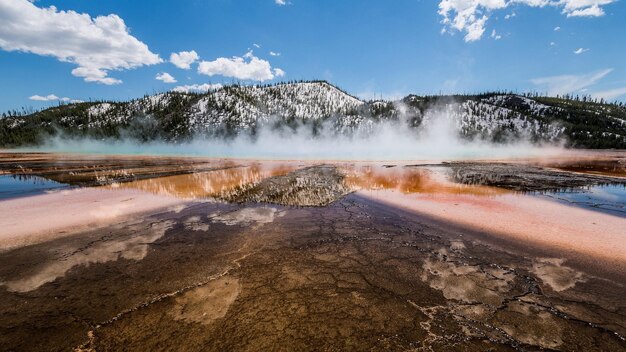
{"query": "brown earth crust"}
[(295, 262), (526, 178), (355, 275), (311, 186)]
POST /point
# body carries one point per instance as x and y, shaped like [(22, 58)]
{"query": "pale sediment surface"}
[(41, 218), (529, 220), (206, 303), (134, 247), (247, 216)]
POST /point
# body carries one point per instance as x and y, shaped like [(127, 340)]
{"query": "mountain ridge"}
[(232, 110)]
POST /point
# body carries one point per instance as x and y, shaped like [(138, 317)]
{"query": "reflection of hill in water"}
[(412, 180), (21, 185), (218, 183), (309, 186)]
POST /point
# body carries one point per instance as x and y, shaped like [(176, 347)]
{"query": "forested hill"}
[(318, 105)]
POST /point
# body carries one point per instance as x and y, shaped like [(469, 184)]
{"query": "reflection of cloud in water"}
[(539, 327), (110, 211), (554, 274), (133, 247), (470, 284), (207, 303), (178, 208), (262, 215), (194, 223), (609, 193)]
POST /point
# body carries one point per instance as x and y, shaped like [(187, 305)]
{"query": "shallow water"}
[(13, 186), (434, 183), (371, 177), (609, 199), (411, 180), (201, 185), (426, 181)]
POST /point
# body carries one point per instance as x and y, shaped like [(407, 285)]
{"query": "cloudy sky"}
[(70, 50)]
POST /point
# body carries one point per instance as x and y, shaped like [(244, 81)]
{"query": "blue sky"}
[(369, 48)]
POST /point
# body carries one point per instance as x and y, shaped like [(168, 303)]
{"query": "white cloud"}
[(165, 77), (557, 28), (593, 11), (273, 53), (470, 16), (184, 59), (570, 83), (580, 51), (467, 15), (475, 29), (200, 88), (94, 74), (256, 45), (48, 97), (52, 97), (96, 45), (509, 16), (495, 35), (280, 2), (610, 94), (248, 67)]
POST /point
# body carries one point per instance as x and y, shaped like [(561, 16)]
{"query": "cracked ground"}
[(353, 275)]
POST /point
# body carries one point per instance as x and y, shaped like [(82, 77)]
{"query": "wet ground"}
[(609, 199), (528, 178), (304, 256), (12, 186), (94, 170)]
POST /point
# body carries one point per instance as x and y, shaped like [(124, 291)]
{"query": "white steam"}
[(436, 139)]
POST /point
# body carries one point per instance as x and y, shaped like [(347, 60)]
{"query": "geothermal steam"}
[(436, 139)]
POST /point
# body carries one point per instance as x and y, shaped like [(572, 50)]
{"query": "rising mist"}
[(437, 138)]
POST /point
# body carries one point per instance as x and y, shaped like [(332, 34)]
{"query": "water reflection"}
[(610, 167), (217, 183), (430, 181), (221, 183), (411, 180), (133, 245), (12, 186), (609, 199)]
